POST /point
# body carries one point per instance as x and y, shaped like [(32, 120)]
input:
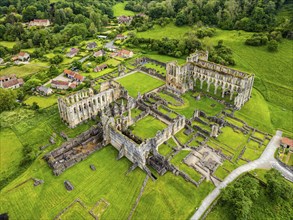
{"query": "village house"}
[(72, 53), (73, 75), (10, 82), (100, 68), (91, 45), (58, 84), (121, 37), (44, 90), (287, 143), (123, 54), (99, 53), (22, 57), (40, 23), (124, 19)]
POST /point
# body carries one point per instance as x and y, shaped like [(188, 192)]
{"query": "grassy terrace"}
[(23, 70), (147, 127), (139, 82)]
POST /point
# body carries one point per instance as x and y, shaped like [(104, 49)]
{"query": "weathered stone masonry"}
[(198, 69), (84, 104)]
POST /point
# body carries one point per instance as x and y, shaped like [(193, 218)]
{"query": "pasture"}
[(119, 10)]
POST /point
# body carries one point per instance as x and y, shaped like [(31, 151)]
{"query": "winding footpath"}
[(266, 160)]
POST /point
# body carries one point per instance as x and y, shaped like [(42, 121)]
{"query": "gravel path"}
[(266, 160)]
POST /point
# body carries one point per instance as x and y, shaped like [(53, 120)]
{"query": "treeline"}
[(249, 15), (241, 196), (72, 21)]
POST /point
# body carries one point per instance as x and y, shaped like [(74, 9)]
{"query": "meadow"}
[(42, 101), (139, 82), (23, 70), (119, 10)]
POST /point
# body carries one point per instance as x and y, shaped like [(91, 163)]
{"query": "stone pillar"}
[(215, 130)]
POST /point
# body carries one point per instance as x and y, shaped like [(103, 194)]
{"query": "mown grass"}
[(23, 70), (147, 127), (7, 44), (169, 31), (10, 152), (119, 10), (139, 82), (50, 198), (42, 101)]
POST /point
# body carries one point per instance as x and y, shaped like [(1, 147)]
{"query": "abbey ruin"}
[(112, 108), (198, 70)]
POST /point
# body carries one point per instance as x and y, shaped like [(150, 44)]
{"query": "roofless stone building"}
[(199, 71)]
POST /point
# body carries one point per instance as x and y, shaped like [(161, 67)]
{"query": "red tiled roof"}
[(58, 82), (10, 83), (69, 72), (78, 76), (13, 76), (22, 53), (20, 81), (287, 141)]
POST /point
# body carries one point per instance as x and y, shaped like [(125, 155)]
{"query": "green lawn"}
[(183, 139), (23, 70), (170, 31), (119, 10), (50, 198), (163, 58), (10, 152), (148, 127), (232, 138), (7, 44), (158, 68), (164, 149), (42, 101), (139, 82)]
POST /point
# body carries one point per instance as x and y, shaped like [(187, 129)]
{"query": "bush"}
[(257, 40), (273, 46)]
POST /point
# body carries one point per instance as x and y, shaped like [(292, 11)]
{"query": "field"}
[(42, 101), (22, 71), (10, 152), (7, 44), (147, 127), (170, 31), (119, 10), (139, 82)]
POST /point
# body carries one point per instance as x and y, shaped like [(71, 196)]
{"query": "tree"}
[(35, 106), (57, 59), (273, 45), (7, 99), (29, 13)]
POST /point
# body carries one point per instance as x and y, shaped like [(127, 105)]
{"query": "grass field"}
[(7, 44), (147, 127), (42, 101), (139, 82), (119, 10), (170, 31), (10, 152), (23, 70)]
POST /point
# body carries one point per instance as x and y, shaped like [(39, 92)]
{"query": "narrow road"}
[(266, 160)]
